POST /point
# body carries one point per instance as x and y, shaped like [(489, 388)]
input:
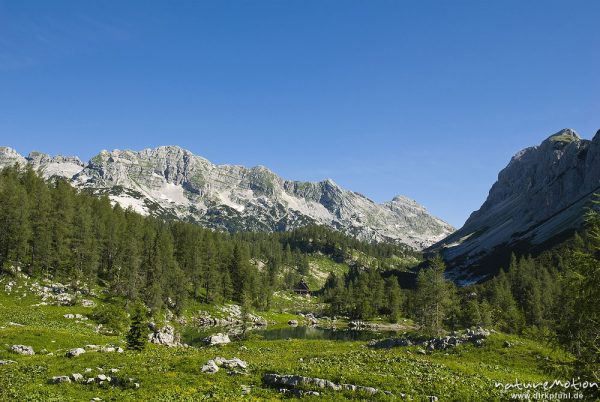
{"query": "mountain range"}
[(539, 199), (171, 182)]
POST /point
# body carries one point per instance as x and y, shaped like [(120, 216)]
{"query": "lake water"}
[(194, 336)]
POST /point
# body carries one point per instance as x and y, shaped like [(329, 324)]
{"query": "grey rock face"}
[(9, 157), (165, 336), (542, 193), (170, 181)]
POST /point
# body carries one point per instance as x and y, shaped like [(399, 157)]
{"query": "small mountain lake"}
[(194, 337)]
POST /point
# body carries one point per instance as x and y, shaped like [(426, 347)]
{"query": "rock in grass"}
[(59, 379), (297, 381), (217, 339), (298, 393), (76, 377), (293, 323), (210, 367), (231, 363), (5, 362), (102, 378), (87, 303), (165, 336), (22, 350), (75, 352)]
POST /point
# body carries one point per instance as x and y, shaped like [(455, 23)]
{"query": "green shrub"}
[(112, 317)]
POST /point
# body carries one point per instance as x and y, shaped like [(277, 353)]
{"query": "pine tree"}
[(41, 238), (432, 297), (471, 314), (393, 296), (137, 337)]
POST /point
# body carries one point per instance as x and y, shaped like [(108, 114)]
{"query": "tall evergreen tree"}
[(432, 297), (137, 337)]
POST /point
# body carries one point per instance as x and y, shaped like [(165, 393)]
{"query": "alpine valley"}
[(157, 275)]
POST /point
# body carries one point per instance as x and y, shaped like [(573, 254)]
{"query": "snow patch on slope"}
[(126, 202)]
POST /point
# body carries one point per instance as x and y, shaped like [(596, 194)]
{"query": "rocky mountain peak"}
[(566, 135), (401, 199), (38, 159), (9, 156)]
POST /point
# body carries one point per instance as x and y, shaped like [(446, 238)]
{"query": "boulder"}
[(231, 363), (76, 377), (217, 339), (293, 323), (210, 367), (22, 350), (59, 379), (75, 352), (165, 336)]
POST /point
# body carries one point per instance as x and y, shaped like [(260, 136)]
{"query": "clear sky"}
[(421, 98)]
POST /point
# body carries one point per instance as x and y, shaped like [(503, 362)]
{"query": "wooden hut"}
[(302, 288)]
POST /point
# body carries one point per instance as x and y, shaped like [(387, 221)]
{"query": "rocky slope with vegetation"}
[(541, 197)]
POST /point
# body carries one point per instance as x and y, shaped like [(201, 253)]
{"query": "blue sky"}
[(421, 98)]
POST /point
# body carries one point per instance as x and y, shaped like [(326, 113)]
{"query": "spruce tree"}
[(137, 337), (432, 297), (394, 298)]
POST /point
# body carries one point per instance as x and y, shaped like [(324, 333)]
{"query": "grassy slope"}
[(466, 373)]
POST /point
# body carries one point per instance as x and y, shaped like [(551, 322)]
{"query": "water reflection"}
[(194, 336)]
